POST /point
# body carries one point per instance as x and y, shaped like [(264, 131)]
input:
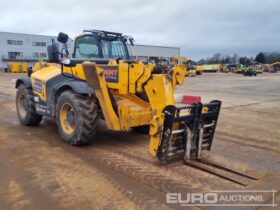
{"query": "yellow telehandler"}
[(100, 81)]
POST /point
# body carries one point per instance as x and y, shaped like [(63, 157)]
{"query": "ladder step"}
[(205, 136), (170, 154), (178, 131), (205, 140), (209, 125), (205, 146), (172, 149)]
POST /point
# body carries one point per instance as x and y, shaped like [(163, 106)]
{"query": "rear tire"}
[(76, 118), (26, 111)]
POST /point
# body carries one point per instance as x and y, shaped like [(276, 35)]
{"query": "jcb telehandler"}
[(100, 81)]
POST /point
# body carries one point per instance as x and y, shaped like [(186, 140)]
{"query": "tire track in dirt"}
[(180, 172), (162, 180), (177, 168), (141, 200)]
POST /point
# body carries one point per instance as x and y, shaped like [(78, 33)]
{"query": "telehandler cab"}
[(100, 81)]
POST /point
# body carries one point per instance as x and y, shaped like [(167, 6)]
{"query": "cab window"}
[(113, 49), (86, 47)]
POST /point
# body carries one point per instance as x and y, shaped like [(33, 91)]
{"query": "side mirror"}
[(62, 37)]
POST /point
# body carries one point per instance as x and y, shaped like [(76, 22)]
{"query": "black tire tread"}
[(87, 118), (33, 117)]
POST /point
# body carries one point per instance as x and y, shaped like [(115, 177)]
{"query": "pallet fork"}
[(188, 135)]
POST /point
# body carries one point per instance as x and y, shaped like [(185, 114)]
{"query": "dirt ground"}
[(39, 171)]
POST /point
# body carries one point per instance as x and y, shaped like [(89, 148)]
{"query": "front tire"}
[(26, 111), (76, 118)]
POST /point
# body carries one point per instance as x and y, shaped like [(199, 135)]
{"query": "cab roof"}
[(100, 33)]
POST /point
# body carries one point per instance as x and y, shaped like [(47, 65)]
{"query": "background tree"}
[(219, 58), (272, 57), (235, 58), (244, 61), (260, 58)]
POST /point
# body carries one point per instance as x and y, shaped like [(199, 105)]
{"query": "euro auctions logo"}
[(224, 198)]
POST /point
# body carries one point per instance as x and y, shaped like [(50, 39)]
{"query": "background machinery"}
[(190, 69), (224, 68), (199, 69), (211, 68), (274, 67), (102, 82), (17, 67)]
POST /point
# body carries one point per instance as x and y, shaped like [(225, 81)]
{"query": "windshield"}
[(86, 47), (114, 49)]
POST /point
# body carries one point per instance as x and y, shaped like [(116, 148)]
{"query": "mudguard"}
[(25, 81), (79, 87)]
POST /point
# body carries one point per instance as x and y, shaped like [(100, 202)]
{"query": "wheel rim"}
[(67, 118), (22, 105)]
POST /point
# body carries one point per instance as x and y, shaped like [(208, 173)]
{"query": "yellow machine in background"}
[(199, 69), (224, 68), (275, 67), (190, 71), (17, 67), (240, 69), (211, 67), (232, 67), (179, 59), (258, 68)]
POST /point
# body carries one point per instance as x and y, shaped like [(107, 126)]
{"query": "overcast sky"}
[(199, 27)]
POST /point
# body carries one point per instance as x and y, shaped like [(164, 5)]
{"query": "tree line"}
[(218, 58)]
